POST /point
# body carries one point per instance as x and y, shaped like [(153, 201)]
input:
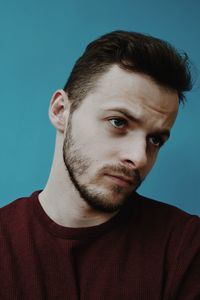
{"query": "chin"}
[(99, 201)]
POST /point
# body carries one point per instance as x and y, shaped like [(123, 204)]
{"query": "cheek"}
[(94, 140), (152, 157)]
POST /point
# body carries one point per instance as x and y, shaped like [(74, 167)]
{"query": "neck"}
[(62, 202)]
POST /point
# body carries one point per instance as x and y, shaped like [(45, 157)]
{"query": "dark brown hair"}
[(134, 52)]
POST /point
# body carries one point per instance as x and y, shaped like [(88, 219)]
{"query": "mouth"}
[(120, 180)]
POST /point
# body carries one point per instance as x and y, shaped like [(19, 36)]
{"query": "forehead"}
[(135, 92), (135, 88)]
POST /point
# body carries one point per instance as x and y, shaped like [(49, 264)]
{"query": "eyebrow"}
[(126, 113), (164, 132)]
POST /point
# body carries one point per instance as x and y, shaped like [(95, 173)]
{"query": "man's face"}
[(113, 138)]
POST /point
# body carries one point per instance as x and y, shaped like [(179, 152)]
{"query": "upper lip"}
[(129, 180)]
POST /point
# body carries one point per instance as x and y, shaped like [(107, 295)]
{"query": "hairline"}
[(91, 85)]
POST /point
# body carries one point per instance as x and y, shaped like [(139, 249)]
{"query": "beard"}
[(77, 164)]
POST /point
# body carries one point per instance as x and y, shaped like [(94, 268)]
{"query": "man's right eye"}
[(118, 122)]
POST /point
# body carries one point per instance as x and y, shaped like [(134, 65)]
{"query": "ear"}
[(59, 110)]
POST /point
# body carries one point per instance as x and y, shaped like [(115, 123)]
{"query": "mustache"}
[(122, 171)]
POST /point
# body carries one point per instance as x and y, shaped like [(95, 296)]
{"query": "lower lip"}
[(119, 181)]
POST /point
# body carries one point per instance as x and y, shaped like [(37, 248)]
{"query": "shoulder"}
[(177, 233), (164, 222), (162, 212), (17, 210)]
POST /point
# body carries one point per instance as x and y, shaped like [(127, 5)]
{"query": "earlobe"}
[(59, 110)]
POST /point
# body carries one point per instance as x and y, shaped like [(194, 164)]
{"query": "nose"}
[(134, 153)]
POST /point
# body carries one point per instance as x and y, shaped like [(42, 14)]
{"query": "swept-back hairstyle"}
[(133, 52)]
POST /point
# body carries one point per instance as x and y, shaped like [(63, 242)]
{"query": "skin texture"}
[(109, 145)]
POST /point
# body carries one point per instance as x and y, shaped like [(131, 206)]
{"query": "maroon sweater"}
[(149, 250)]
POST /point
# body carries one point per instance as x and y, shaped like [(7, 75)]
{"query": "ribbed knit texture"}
[(148, 251)]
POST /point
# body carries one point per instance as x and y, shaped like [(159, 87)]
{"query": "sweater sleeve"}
[(185, 281)]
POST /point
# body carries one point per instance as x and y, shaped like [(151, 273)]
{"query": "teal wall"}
[(40, 41)]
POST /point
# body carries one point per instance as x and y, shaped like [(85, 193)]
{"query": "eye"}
[(118, 122), (156, 140)]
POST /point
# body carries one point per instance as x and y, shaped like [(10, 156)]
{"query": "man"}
[(89, 235)]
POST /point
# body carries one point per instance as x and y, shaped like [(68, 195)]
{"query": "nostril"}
[(138, 162), (129, 162)]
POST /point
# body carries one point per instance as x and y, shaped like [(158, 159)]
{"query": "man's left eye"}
[(118, 122), (156, 140)]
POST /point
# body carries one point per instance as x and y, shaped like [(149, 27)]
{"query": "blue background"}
[(40, 41)]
